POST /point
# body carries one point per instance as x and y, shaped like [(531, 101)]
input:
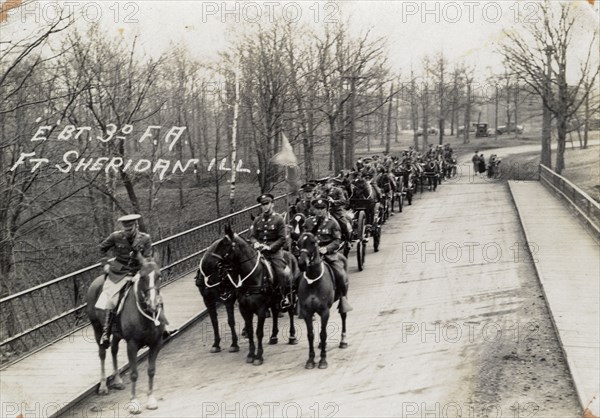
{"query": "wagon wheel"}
[(376, 232), (360, 240)]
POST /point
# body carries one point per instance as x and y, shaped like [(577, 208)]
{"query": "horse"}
[(316, 294), (432, 172), (363, 190), (214, 287), (137, 323), (255, 294)]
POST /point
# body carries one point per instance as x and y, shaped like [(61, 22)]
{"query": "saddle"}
[(267, 265)]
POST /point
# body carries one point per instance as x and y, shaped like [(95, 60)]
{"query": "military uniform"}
[(125, 261), (338, 202), (125, 264), (269, 229), (327, 230)]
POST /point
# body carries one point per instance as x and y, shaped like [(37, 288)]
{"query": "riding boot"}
[(105, 338), (343, 306)]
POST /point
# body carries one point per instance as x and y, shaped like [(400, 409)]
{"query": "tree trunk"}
[(388, 135), (562, 137)]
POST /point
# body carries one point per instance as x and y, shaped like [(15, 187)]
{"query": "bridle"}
[(151, 293), (227, 255), (313, 260), (219, 267)]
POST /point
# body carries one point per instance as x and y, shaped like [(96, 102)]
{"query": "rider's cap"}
[(308, 187), (320, 204), (265, 198), (127, 219)]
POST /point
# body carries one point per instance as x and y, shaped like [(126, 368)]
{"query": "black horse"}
[(214, 289), (316, 294), (247, 271)]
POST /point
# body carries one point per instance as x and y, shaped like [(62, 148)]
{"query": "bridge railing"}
[(35, 318), (587, 208)]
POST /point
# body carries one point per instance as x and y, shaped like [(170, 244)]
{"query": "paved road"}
[(449, 320)]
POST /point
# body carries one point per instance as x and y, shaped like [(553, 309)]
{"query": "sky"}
[(463, 30)]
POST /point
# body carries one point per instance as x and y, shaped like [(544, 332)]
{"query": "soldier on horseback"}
[(338, 202), (267, 234), (327, 231), (303, 204), (126, 245)]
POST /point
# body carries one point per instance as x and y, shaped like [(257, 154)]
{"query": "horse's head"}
[(211, 270), (297, 225), (233, 249), (309, 251), (148, 285)]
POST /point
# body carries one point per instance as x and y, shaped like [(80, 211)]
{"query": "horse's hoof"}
[(249, 359), (134, 407), (343, 344), (258, 362), (214, 349), (117, 386), (273, 340), (293, 341), (103, 391), (152, 404), (310, 364), (234, 349), (322, 364)]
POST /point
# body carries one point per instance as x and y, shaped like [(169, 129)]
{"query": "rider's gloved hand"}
[(266, 247), (257, 245), (106, 268), (323, 250)]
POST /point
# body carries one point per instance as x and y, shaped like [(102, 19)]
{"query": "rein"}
[(241, 281)]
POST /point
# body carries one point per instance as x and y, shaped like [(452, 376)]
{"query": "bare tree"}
[(539, 55)]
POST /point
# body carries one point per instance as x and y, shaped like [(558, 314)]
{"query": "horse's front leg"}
[(229, 305), (323, 342), (343, 342), (153, 354), (292, 340), (103, 388), (310, 335), (250, 334), (211, 306), (134, 405), (260, 331), (117, 382), (275, 331)]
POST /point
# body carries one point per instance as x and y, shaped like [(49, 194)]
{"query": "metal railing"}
[(35, 318), (587, 207)]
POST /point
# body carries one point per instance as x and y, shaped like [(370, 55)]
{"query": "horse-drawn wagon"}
[(365, 224)]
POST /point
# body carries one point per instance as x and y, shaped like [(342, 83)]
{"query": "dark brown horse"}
[(137, 323), (214, 288), (316, 294), (255, 293)]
